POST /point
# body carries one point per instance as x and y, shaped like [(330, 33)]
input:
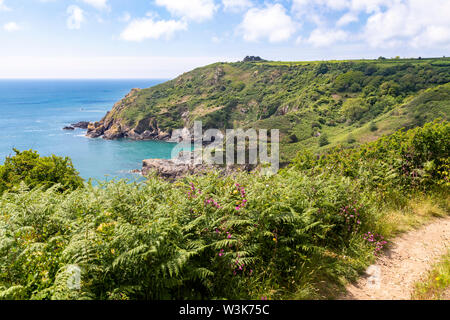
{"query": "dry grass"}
[(418, 211)]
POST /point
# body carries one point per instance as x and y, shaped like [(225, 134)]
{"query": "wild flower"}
[(212, 203), (243, 201), (376, 240), (351, 218)]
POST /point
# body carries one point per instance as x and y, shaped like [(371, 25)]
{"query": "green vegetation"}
[(299, 234), (302, 99), (29, 168), (436, 286)]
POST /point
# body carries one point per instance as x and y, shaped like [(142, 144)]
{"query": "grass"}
[(436, 284), (419, 210)]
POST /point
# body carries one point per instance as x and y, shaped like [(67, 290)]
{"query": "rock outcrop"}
[(171, 169), (112, 127), (81, 125), (184, 165)]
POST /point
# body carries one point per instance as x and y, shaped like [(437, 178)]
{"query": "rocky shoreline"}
[(173, 169), (170, 169), (111, 128)]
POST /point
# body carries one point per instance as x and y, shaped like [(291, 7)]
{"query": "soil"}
[(408, 259)]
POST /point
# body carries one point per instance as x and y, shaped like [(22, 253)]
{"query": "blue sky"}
[(163, 38)]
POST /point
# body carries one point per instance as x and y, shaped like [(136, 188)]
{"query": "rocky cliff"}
[(348, 101), (114, 127)]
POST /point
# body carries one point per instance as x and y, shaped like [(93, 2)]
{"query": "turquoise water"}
[(33, 113)]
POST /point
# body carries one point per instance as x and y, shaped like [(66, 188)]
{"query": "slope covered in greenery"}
[(303, 99), (241, 236)]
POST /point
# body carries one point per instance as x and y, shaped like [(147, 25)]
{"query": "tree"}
[(36, 171), (354, 108), (349, 80), (390, 88), (323, 140), (252, 58)]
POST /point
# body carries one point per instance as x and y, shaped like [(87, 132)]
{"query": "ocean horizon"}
[(34, 112)]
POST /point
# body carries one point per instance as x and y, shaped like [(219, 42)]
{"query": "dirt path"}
[(411, 255)]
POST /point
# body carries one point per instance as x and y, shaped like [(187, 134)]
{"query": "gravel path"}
[(410, 256)]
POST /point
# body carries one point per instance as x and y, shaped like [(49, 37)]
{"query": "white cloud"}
[(99, 4), (196, 10), (390, 23), (11, 26), (325, 38), (3, 6), (303, 7), (236, 5), (369, 6), (347, 19), (270, 23), (147, 28), (410, 22), (76, 17)]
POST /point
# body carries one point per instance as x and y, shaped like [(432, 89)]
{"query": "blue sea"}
[(33, 113)]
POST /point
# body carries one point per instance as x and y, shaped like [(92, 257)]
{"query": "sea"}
[(34, 112)]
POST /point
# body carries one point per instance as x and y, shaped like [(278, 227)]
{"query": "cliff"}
[(344, 101)]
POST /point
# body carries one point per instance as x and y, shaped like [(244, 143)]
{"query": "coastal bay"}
[(33, 113)]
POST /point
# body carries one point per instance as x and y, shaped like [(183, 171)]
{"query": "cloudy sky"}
[(162, 38)]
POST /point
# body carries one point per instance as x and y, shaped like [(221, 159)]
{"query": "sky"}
[(164, 38)]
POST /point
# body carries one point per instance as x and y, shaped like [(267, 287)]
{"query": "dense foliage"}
[(417, 158), (29, 168), (240, 236)]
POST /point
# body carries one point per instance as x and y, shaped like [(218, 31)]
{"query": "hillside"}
[(348, 101)]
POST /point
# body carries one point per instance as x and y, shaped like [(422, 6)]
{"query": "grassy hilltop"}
[(314, 104)]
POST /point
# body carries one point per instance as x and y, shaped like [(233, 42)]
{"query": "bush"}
[(354, 108), (323, 140), (35, 171), (373, 127)]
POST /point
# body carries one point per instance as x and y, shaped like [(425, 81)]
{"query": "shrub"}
[(28, 167), (323, 140), (354, 108), (373, 127)]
